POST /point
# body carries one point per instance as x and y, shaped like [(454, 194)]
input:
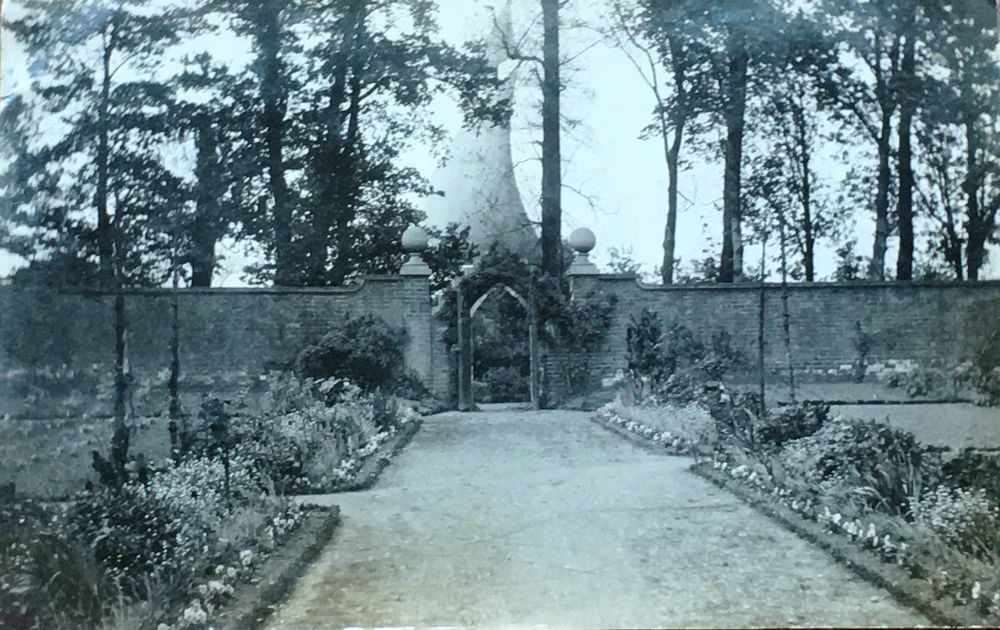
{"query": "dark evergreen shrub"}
[(365, 350)]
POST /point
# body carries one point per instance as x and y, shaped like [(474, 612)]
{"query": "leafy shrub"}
[(653, 355), (130, 534), (583, 323), (644, 339), (792, 422), (870, 462), (365, 350), (722, 356), (505, 384)]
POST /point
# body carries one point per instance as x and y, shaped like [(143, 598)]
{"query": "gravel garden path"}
[(544, 519)]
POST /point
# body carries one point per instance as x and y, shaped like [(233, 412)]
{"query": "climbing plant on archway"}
[(537, 305)]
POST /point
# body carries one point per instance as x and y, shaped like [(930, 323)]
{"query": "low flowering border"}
[(362, 472), (662, 441)]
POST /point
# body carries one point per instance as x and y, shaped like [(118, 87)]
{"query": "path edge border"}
[(372, 469), (262, 599)]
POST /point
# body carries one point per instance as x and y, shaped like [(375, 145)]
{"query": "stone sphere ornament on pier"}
[(415, 240), (582, 240)]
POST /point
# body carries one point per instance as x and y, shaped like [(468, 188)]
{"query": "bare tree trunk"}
[(904, 205), (731, 267), (551, 153)]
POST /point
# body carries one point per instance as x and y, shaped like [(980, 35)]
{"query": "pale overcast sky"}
[(622, 178)]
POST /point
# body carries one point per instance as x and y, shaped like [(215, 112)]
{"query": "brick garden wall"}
[(917, 322), (224, 333)]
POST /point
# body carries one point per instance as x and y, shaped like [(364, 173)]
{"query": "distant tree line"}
[(905, 93)]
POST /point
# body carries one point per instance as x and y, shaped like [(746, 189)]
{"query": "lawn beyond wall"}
[(919, 322), (224, 333)]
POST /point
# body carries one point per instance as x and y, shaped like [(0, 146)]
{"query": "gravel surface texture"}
[(544, 519)]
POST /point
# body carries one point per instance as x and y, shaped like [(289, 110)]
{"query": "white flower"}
[(977, 590), (194, 614)]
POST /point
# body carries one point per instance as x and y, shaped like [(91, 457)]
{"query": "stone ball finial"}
[(582, 240), (415, 240)]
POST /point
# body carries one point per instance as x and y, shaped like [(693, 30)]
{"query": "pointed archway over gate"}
[(466, 353)]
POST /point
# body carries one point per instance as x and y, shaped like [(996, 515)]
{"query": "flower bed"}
[(677, 429), (166, 546), (873, 486)]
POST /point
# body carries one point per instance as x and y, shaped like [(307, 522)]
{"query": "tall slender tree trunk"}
[(348, 189), (205, 228), (552, 262), (105, 238), (904, 205), (731, 267), (673, 150), (876, 269), (348, 186), (805, 160), (334, 159), (976, 232), (273, 91)]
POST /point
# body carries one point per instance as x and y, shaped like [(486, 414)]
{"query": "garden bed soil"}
[(379, 460), (253, 603)]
